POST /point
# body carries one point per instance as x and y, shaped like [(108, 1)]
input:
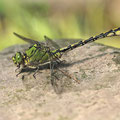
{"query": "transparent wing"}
[(61, 80), (51, 44), (27, 39), (48, 42), (56, 78)]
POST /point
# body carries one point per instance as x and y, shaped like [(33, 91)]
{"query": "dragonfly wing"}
[(51, 44), (31, 41), (55, 81), (61, 80)]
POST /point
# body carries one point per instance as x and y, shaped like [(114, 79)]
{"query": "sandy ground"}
[(95, 97)]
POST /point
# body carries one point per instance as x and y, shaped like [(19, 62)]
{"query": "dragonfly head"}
[(18, 59)]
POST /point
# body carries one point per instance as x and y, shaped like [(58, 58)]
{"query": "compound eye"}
[(18, 57), (13, 58)]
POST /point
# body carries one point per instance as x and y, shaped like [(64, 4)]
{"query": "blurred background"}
[(58, 19)]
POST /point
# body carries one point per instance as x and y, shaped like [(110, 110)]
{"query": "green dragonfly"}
[(50, 44), (40, 53)]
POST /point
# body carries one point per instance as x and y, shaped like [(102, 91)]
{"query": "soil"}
[(96, 97)]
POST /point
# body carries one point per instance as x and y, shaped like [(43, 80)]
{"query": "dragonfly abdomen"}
[(114, 32)]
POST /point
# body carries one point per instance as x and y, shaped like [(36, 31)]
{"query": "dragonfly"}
[(40, 53)]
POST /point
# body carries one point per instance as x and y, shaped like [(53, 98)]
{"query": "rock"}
[(95, 97)]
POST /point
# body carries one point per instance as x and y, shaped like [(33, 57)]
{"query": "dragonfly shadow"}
[(84, 60), (32, 70), (63, 83), (89, 58), (63, 64)]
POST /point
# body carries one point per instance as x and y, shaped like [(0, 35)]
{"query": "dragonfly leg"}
[(37, 69), (19, 73), (64, 72), (51, 70), (69, 75), (18, 67)]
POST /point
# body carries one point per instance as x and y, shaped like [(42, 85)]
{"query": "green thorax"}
[(39, 54)]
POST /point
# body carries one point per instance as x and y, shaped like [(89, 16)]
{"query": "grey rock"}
[(96, 97)]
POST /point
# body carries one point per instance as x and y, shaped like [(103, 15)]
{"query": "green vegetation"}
[(36, 19)]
